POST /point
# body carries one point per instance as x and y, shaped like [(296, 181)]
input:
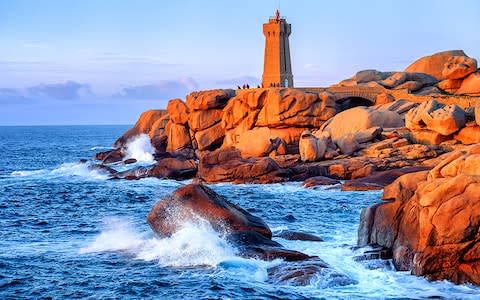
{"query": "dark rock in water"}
[(379, 180), (110, 156), (102, 168), (245, 231), (129, 161), (132, 174), (253, 244), (174, 168), (374, 252), (320, 180), (297, 236), (289, 218), (311, 271), (195, 200), (83, 161)]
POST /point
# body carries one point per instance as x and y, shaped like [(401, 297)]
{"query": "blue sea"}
[(67, 232)]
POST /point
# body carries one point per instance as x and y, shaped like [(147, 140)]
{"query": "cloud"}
[(12, 96), (68, 90), (164, 89)]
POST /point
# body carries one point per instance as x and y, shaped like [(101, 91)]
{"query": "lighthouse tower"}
[(277, 69)]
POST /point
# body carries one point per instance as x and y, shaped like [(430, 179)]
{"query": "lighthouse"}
[(277, 68)]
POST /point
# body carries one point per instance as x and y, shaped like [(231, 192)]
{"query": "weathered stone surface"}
[(177, 110), (311, 148), (158, 134), (361, 118), (261, 141), (384, 98), (297, 236), (142, 126), (433, 64), (477, 113), (450, 85), (432, 220), (428, 137), (205, 100), (110, 156), (410, 85), (459, 67), (414, 117), (227, 165), (470, 85), (370, 75), (174, 168), (210, 138), (178, 137), (305, 272), (193, 201), (291, 107), (319, 181), (197, 203), (446, 120), (379, 180), (394, 80), (348, 144)]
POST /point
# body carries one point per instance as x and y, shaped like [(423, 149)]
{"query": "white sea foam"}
[(66, 169), (100, 148), (194, 244), (141, 149)]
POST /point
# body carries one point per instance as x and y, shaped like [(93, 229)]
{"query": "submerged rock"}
[(308, 272), (297, 236)]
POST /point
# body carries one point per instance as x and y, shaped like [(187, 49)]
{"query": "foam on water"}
[(141, 149), (64, 170), (194, 244)]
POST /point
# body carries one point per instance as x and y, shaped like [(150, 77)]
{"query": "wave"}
[(141, 149), (194, 244), (66, 169), (100, 148)]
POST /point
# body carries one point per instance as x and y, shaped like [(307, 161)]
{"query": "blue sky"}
[(105, 61)]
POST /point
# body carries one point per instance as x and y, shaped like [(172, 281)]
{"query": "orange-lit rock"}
[(210, 138), (446, 120), (450, 85), (469, 135), (432, 220), (292, 107), (311, 148), (470, 85), (458, 67), (206, 100), (178, 112), (142, 126), (227, 165), (361, 118), (433, 64), (178, 137)]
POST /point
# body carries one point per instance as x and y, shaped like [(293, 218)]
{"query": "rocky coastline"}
[(415, 134)]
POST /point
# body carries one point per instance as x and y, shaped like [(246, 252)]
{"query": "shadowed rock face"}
[(431, 220), (192, 201)]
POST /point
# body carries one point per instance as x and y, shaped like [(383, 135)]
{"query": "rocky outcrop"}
[(458, 67), (143, 126), (433, 116), (227, 165), (378, 180), (470, 85), (311, 148), (431, 220), (433, 64), (174, 168), (361, 118), (469, 135)]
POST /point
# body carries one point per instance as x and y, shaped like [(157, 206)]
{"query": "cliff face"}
[(430, 220)]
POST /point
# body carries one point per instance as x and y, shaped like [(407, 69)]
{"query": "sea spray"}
[(64, 170), (141, 149), (194, 244)]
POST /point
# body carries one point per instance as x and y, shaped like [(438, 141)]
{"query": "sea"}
[(68, 232)]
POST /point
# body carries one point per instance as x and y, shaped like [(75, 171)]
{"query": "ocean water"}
[(67, 232)]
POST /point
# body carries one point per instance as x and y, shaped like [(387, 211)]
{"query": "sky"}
[(106, 61)]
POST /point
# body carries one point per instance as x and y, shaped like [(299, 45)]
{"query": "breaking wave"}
[(141, 149)]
